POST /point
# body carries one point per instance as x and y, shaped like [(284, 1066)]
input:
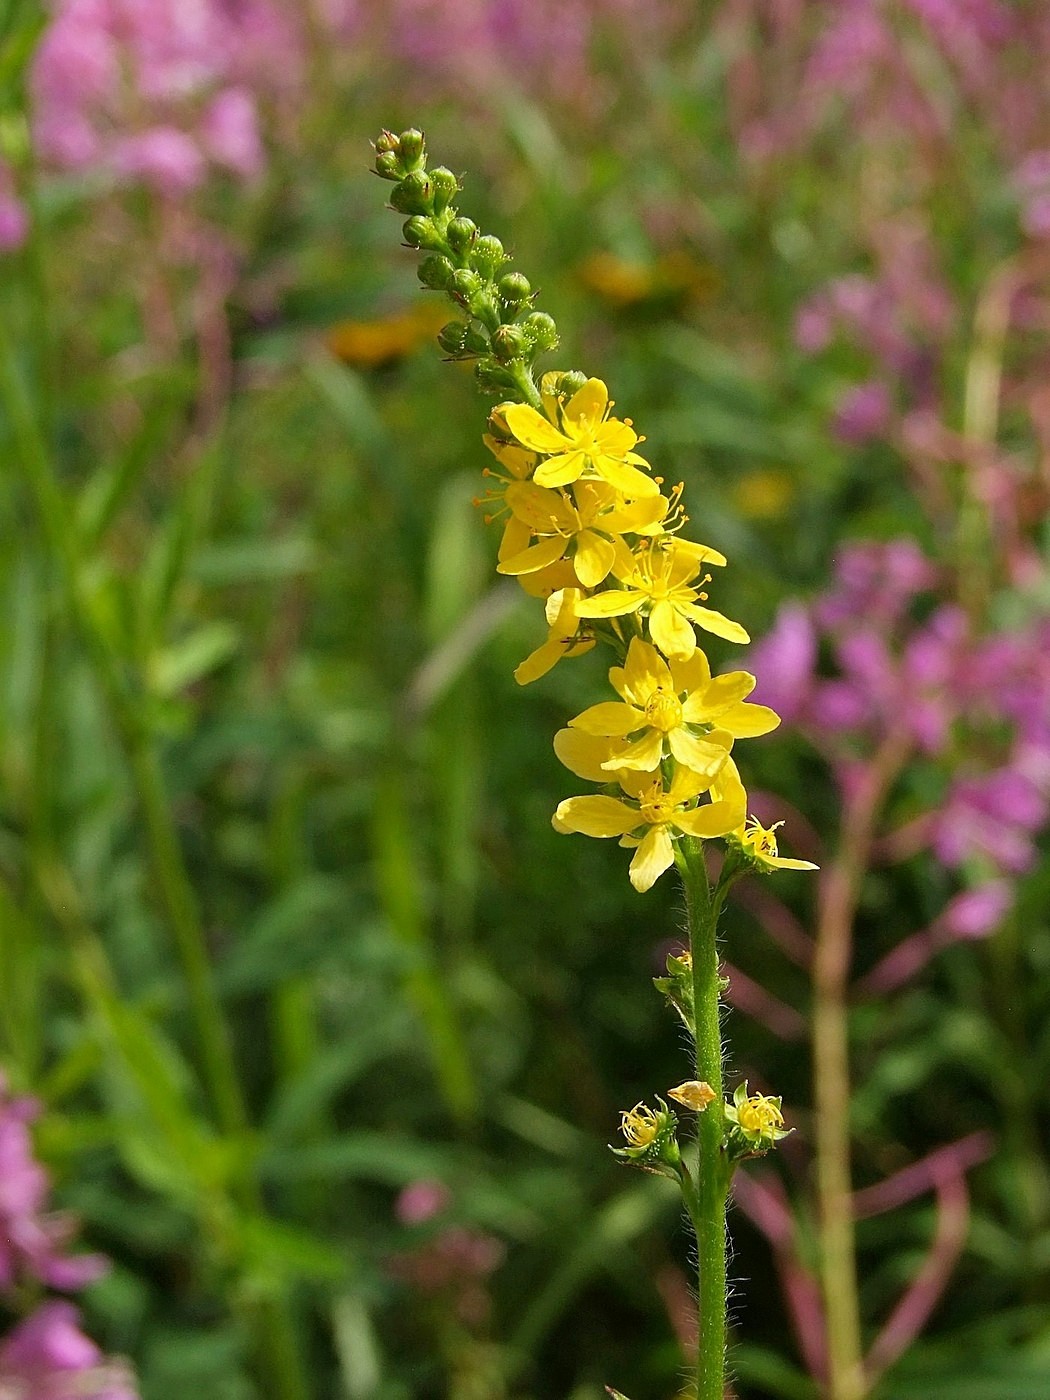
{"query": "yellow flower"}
[(660, 814), (760, 844), (563, 638), (579, 437), (758, 1122), (694, 1093), (592, 523), (677, 701), (372, 344), (639, 1125), (658, 579)]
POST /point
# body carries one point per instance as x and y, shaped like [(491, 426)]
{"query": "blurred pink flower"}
[(864, 413), (32, 1240), (421, 1201), (47, 1357)]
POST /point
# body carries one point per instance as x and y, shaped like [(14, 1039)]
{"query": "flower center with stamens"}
[(759, 1115), (664, 710), (657, 807)]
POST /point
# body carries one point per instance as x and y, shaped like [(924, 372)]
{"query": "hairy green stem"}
[(703, 906)]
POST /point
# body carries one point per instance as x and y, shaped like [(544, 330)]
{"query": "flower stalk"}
[(588, 530)]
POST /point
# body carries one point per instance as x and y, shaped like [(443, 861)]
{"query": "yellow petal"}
[(594, 558), (516, 537), (714, 622), (644, 671), (748, 721), (691, 674), (613, 603), (643, 756), (651, 859), (627, 479), (687, 783), (699, 755), (532, 429), (640, 515), (529, 561), (609, 719), (595, 816), (553, 579), (584, 754), (539, 662), (701, 553), (560, 470), (713, 819), (670, 631), (544, 510), (587, 405)]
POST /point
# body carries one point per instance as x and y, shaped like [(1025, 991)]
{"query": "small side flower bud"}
[(461, 233), (465, 284), (445, 187), (509, 343), (388, 165), (677, 986), (412, 195), (514, 289), (487, 256), (411, 146), (435, 272), (385, 142), (541, 330), (419, 232), (492, 379), (476, 342), (451, 337)]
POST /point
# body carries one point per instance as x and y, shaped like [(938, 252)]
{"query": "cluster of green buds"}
[(502, 332)]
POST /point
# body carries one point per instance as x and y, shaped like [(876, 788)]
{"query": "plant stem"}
[(712, 1181), (839, 894)]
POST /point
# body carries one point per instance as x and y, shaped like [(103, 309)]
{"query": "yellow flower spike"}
[(759, 844), (676, 703), (694, 1093), (579, 437), (563, 638), (659, 580)]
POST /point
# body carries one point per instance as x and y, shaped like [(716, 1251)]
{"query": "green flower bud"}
[(388, 165), (413, 194), (541, 330), (418, 231), (446, 187), (385, 142), (568, 382), (509, 343), (461, 234), (487, 256), (435, 272), (451, 337), (677, 986), (465, 284), (411, 146), (514, 289)]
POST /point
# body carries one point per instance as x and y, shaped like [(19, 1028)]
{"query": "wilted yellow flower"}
[(639, 1125), (760, 844), (694, 1093), (679, 702), (579, 437), (658, 579)]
